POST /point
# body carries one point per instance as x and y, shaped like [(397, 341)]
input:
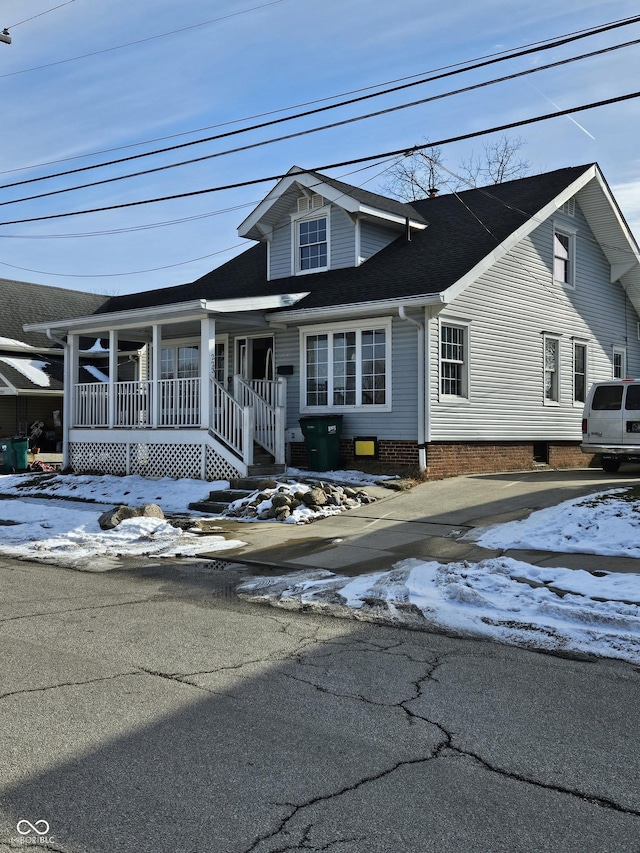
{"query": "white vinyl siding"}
[(510, 307)]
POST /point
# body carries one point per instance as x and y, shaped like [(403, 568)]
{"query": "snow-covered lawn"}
[(64, 530)]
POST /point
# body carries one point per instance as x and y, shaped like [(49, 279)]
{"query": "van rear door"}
[(631, 415), (604, 415)]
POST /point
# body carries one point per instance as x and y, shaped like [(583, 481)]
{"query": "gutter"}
[(422, 415)]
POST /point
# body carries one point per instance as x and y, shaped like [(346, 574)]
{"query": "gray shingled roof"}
[(23, 302), (463, 229)]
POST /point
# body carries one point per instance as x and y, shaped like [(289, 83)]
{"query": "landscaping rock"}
[(112, 517)]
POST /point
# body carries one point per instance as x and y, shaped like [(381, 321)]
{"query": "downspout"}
[(422, 449), (66, 396)]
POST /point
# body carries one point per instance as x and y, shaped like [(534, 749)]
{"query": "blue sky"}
[(254, 57)]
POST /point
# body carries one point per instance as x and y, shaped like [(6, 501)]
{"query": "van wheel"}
[(610, 466)]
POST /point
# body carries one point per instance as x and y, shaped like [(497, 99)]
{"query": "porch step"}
[(219, 500)]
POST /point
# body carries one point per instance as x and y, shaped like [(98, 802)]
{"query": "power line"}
[(299, 133), (491, 61), (138, 41), (466, 65), (40, 14), (118, 274), (398, 152)]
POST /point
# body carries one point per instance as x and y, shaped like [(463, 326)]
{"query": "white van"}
[(611, 422)]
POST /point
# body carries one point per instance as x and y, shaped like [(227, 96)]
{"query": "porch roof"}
[(134, 320)]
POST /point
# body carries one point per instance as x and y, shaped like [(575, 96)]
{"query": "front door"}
[(255, 358)]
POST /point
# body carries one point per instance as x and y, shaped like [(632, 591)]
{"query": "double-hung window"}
[(453, 360), (313, 247), (564, 251), (551, 369), (619, 362), (347, 367), (579, 372)]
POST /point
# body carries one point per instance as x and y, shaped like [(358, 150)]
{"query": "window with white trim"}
[(579, 372), (453, 360), (563, 257), (551, 369), (180, 362), (619, 360), (313, 246), (347, 367)]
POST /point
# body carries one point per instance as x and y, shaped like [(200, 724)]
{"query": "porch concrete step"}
[(258, 470), (219, 500)]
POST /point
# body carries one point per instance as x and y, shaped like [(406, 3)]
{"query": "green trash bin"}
[(322, 441), (19, 451), (7, 456)]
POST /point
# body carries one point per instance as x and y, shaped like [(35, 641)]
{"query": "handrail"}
[(269, 416), (231, 422)]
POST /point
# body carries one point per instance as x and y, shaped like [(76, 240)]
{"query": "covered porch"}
[(171, 399)]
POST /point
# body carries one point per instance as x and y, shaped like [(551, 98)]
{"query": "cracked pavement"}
[(149, 709)]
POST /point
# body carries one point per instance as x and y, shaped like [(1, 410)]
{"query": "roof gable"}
[(352, 199)]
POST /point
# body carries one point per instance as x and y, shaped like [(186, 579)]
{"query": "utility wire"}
[(466, 65), (138, 41), (39, 15), (398, 152), (562, 41), (299, 133)]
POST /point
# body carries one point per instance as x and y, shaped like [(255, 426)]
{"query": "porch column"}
[(207, 355), (156, 355), (113, 378), (71, 368)]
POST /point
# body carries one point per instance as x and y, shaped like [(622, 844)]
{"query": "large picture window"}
[(347, 367)]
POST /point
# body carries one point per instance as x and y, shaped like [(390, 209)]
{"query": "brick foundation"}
[(454, 459)]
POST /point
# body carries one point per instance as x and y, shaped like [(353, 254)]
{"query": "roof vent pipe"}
[(407, 227)]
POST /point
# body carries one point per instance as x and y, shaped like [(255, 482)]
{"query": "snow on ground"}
[(503, 599), (65, 530), (607, 523)]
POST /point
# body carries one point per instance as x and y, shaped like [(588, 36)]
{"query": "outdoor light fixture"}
[(5, 37)]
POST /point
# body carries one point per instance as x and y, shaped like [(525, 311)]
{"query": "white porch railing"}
[(132, 404), (91, 404), (263, 396), (231, 422), (254, 412), (179, 402)]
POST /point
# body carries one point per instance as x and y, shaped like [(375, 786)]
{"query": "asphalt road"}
[(150, 711)]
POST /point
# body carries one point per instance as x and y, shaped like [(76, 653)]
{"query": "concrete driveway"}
[(427, 522)]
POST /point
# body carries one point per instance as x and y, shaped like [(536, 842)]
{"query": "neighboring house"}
[(454, 334), (32, 364)]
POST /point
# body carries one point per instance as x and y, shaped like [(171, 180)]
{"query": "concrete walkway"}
[(425, 522)]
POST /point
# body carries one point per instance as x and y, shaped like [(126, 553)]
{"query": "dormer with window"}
[(312, 224)]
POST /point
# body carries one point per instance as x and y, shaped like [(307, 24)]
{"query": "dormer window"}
[(313, 252)]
